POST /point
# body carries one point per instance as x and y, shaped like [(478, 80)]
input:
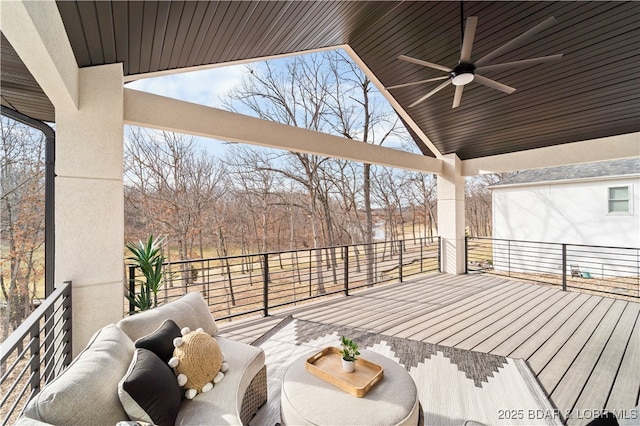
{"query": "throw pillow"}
[(160, 342), (198, 362), (149, 392), (87, 392)]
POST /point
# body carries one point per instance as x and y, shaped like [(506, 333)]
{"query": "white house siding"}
[(574, 213)]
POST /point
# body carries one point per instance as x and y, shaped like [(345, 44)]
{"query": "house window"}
[(619, 199)]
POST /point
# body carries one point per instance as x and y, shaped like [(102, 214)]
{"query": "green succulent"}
[(148, 257), (349, 349)]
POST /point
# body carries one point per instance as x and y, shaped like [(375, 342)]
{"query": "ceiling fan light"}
[(462, 79)]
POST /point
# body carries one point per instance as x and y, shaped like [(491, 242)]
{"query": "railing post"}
[(400, 260), (346, 270), (422, 242), (68, 324), (466, 254), (49, 351), (439, 254), (509, 257), (132, 287), (265, 283), (564, 267), (34, 362)]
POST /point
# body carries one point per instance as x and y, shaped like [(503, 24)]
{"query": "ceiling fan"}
[(466, 70)]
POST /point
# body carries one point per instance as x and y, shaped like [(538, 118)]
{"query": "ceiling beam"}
[(36, 32), (602, 149), (159, 112)]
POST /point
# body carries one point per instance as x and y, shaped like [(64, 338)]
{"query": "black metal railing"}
[(35, 353), (608, 271), (253, 283)]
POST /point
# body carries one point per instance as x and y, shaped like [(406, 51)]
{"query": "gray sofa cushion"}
[(87, 392), (189, 311)]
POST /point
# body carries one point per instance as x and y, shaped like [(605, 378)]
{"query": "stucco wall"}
[(574, 213), (567, 213)]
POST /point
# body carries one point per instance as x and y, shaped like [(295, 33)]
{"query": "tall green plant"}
[(148, 257)]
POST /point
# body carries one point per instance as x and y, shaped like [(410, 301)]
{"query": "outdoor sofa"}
[(87, 391)]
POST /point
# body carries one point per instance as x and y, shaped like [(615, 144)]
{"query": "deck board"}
[(607, 366), (507, 339), (557, 341), (539, 338), (494, 318), (584, 349), (626, 387), (566, 392), (467, 314), (420, 328), (507, 347)]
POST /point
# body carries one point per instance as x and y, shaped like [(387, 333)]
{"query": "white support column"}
[(89, 200), (451, 215)]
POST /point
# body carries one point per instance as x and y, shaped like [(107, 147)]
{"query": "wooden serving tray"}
[(327, 364)]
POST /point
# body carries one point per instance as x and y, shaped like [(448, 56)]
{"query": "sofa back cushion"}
[(87, 391), (190, 310)]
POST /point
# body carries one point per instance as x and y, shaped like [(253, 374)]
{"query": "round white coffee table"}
[(309, 400)]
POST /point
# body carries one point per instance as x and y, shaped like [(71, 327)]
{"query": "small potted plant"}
[(349, 352)]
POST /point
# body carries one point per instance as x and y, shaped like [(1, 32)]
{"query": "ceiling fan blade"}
[(397, 86), (522, 63), (517, 42), (424, 63), (457, 97), (469, 35), (494, 84), (434, 91)]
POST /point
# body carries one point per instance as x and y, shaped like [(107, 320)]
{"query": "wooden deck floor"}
[(584, 349)]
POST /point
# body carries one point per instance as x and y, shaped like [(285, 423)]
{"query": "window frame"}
[(629, 200)]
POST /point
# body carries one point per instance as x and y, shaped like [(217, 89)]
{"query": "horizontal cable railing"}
[(240, 285), (35, 353), (608, 271)]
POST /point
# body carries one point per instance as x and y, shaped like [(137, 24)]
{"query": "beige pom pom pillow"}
[(197, 361)]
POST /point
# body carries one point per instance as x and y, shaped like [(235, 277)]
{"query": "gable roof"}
[(601, 169)]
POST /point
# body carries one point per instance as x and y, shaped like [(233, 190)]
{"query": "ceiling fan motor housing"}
[(463, 73)]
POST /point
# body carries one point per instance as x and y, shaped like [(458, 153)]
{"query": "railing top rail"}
[(272, 253), (23, 329), (552, 243)]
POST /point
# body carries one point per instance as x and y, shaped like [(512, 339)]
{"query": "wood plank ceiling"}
[(592, 92)]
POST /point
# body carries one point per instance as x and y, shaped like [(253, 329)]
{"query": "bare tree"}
[(256, 185), (22, 215), (356, 113), (478, 202), (172, 188), (421, 191), (385, 191), (293, 95), (323, 92)]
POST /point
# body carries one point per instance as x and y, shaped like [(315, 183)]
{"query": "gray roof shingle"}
[(626, 166)]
